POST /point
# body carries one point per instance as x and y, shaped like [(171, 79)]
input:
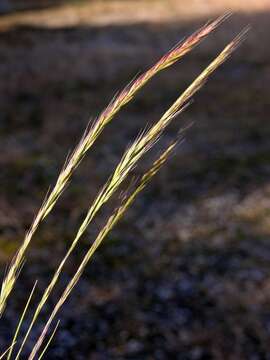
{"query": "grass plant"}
[(90, 136), (141, 145)]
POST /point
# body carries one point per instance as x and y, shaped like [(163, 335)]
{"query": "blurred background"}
[(186, 275)]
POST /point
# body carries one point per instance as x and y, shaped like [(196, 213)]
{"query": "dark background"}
[(186, 273)]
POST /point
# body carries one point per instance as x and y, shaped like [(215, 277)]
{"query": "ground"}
[(186, 273)]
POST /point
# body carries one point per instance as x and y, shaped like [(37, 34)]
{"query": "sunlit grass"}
[(131, 157)]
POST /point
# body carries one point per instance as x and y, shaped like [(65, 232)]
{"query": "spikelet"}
[(128, 161), (130, 158), (88, 140), (112, 221)]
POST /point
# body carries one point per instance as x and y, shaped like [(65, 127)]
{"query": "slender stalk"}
[(88, 140), (49, 341), (6, 351), (21, 321)]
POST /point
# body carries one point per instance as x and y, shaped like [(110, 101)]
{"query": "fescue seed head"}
[(88, 140), (130, 158)]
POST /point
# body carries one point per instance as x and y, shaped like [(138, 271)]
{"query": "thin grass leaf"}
[(88, 140), (6, 351), (14, 340), (49, 341)]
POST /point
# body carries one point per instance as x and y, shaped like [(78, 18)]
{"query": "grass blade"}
[(49, 341), (21, 321), (6, 351)]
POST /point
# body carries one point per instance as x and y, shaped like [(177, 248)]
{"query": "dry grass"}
[(129, 160), (88, 140)]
